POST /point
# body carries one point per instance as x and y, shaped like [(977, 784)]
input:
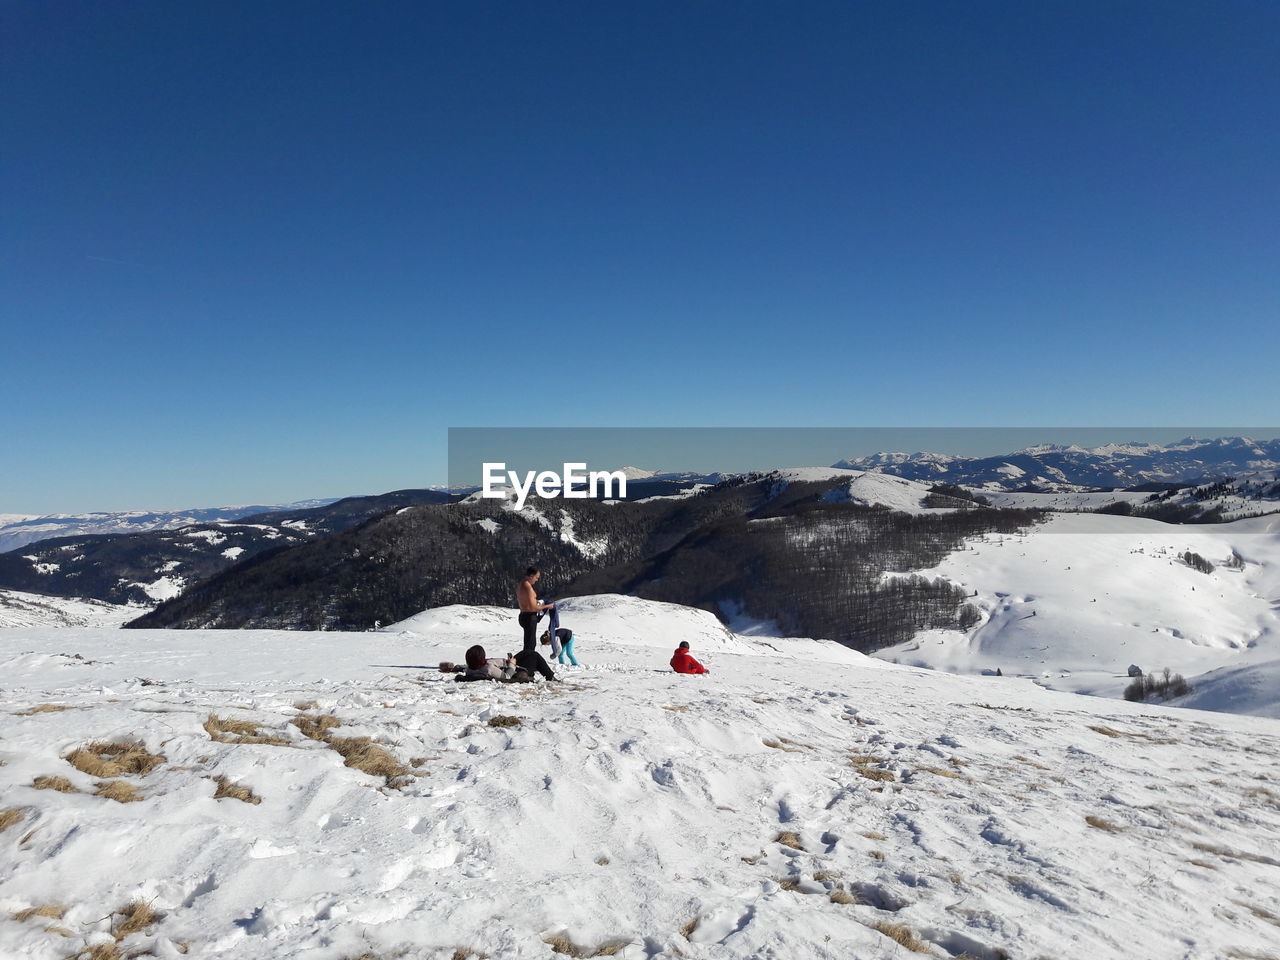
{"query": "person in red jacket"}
[(682, 661)]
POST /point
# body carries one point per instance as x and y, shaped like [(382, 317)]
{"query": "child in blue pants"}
[(561, 646)]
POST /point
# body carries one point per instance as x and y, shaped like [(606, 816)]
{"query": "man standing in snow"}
[(530, 608), (682, 660)]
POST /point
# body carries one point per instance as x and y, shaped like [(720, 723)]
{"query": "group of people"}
[(528, 663)]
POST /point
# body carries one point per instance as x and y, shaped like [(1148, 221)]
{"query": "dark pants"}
[(529, 621), (534, 662)]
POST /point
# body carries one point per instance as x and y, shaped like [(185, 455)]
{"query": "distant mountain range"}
[(17, 530), (1052, 467), (354, 562)]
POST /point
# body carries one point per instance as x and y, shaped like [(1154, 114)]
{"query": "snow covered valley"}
[(270, 794)]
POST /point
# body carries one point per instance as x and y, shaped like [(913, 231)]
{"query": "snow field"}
[(799, 801), (1077, 599)]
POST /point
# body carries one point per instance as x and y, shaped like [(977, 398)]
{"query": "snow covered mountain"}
[(331, 795), (1053, 466), (17, 530), (746, 540), (156, 565)]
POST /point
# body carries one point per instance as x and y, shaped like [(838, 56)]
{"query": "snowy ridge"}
[(781, 806)]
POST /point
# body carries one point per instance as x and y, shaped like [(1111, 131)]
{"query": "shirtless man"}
[(530, 608)]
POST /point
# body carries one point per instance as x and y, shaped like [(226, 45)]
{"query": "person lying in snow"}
[(480, 667), (561, 644), (682, 661), (518, 669)]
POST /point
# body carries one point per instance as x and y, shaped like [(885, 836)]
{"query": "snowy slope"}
[(1077, 600), (631, 806), (864, 487), (19, 609)]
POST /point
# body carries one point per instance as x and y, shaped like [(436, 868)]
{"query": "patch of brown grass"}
[(789, 839), (233, 791), (137, 915), (1100, 824), (316, 726), (865, 764), (686, 931), (872, 835), (776, 745), (61, 784), (229, 730), (117, 790), (101, 951), (106, 759), (602, 861), (1030, 763), (877, 855), (1264, 795), (941, 772), (51, 911), (1232, 854), (463, 953), (9, 817), (901, 934), (504, 721), (680, 709), (1204, 863), (844, 896), (361, 753), (42, 708), (822, 875), (1260, 913), (306, 705), (1112, 732), (561, 944)]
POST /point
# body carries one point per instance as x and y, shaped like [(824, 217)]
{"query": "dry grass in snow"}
[(50, 911), (561, 944), (227, 730), (361, 753), (61, 784), (108, 759), (117, 790), (228, 790), (903, 935), (315, 726), (1100, 824)]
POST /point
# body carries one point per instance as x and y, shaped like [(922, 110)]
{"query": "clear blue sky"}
[(255, 252)]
